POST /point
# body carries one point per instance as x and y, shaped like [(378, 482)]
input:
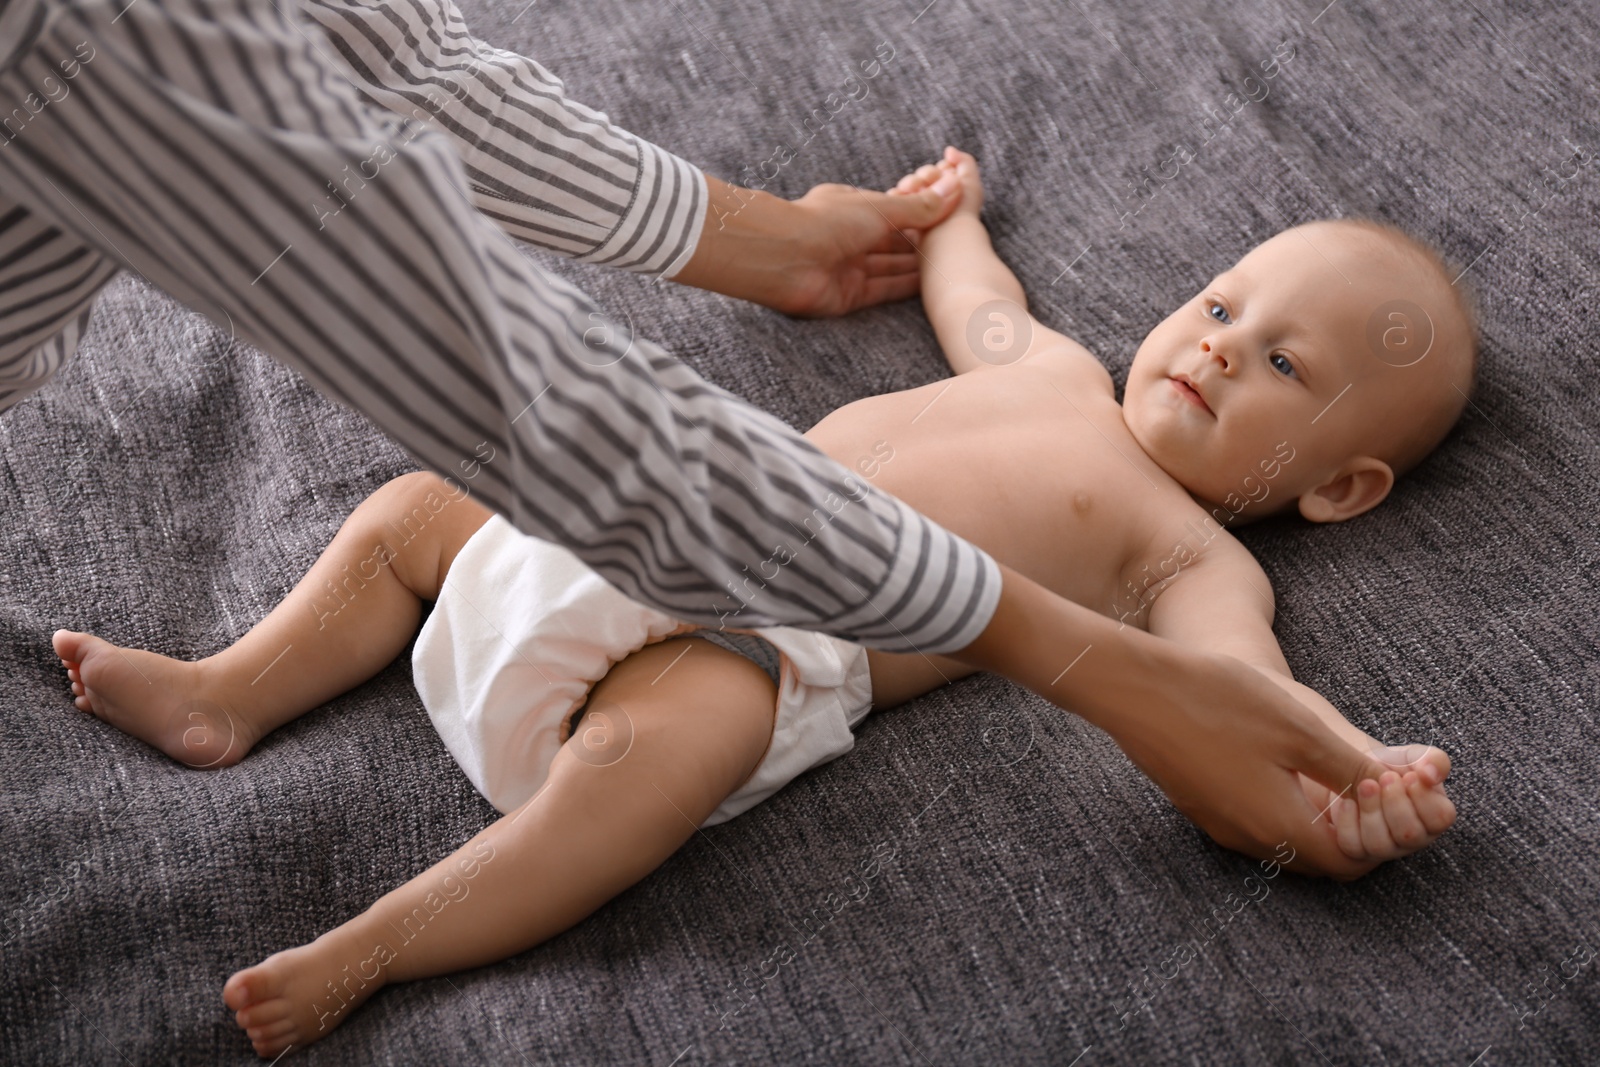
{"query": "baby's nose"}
[(1211, 348)]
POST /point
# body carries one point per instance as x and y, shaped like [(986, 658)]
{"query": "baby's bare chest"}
[(1047, 482)]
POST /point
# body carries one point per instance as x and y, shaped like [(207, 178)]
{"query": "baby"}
[(1310, 374)]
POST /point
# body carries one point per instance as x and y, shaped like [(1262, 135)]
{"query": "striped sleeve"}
[(21, 22), (48, 284), (48, 278), (591, 191), (219, 150)]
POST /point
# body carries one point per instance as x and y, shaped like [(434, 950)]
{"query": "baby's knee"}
[(402, 518), (411, 489)]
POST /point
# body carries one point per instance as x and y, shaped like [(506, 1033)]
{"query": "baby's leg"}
[(345, 621), (701, 718)]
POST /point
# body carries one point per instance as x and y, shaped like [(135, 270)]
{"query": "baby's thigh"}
[(682, 709)]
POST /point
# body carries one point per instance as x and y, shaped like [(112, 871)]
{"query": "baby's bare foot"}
[(297, 996), (165, 702)]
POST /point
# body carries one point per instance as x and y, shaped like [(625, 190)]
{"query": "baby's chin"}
[(1162, 440), (1168, 449)]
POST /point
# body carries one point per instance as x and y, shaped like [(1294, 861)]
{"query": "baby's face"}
[(1264, 384)]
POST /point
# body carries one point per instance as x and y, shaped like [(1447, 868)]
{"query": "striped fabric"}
[(336, 181)]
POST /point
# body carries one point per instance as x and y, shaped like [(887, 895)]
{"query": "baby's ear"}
[(1360, 485)]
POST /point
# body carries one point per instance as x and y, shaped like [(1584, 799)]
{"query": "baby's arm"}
[(1222, 602), (961, 273)]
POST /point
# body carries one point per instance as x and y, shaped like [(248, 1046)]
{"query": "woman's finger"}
[(890, 263)]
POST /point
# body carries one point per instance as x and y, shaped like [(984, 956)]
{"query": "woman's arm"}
[(1226, 745), (199, 149), (1220, 601), (558, 174)]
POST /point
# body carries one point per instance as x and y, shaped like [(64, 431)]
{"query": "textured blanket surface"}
[(984, 879)]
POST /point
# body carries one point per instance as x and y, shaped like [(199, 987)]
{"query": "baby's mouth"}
[(1191, 394)]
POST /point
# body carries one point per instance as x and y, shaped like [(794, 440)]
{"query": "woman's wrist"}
[(751, 247), (833, 251), (1067, 653)]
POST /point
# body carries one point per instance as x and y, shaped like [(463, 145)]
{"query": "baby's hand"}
[(1402, 812), (956, 166)]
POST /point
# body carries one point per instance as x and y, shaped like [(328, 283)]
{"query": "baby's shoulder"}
[(1220, 548), (1067, 363), (1203, 554)]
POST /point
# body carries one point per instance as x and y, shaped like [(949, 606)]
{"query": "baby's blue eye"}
[(1286, 367), (1212, 306)]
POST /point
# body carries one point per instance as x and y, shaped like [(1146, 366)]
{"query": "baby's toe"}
[(69, 645), (264, 1015), (271, 1048), (271, 1034), (249, 987)]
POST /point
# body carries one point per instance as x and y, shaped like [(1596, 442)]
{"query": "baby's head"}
[(1331, 359)]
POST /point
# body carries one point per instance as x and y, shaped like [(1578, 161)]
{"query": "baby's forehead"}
[(1343, 271), (1330, 249)]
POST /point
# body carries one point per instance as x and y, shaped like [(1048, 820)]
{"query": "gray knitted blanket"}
[(984, 880)]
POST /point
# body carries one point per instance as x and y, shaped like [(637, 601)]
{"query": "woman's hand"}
[(1220, 739), (834, 250)]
